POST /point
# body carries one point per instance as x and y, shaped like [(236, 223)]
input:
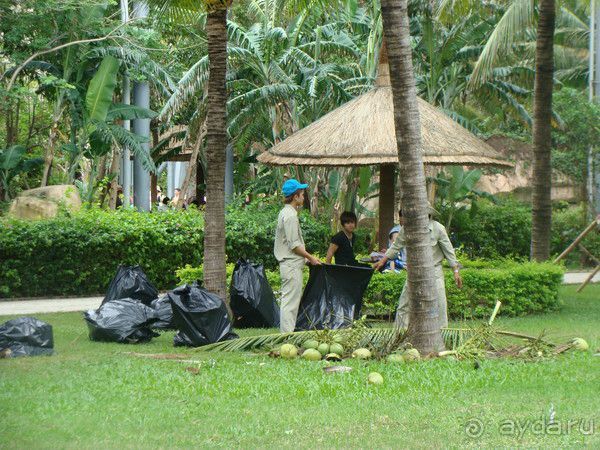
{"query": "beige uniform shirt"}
[(440, 244), (288, 235)]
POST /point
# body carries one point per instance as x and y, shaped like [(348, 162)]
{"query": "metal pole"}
[(141, 127), (126, 163), (595, 86)]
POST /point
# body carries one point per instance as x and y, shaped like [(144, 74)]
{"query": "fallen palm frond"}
[(378, 338)]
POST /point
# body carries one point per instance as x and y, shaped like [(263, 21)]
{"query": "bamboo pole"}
[(589, 278), (588, 254), (583, 234)]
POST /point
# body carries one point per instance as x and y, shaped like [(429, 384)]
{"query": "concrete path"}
[(40, 306), (24, 307), (579, 277)]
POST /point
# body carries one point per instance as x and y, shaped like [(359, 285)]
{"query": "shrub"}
[(523, 288), (79, 254)]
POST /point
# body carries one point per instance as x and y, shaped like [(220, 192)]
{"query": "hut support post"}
[(387, 174)]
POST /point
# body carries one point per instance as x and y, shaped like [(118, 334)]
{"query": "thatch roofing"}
[(361, 132)]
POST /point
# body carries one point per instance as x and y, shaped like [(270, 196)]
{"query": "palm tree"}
[(424, 329), (542, 139), (215, 276)]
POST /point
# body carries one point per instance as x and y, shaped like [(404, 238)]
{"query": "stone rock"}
[(45, 202)]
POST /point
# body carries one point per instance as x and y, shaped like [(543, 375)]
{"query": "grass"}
[(95, 395)]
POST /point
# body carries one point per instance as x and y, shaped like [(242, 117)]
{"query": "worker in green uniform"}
[(442, 248), (291, 254)]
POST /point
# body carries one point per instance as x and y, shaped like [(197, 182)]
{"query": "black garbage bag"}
[(332, 297), (252, 300), (163, 308), (200, 316), (126, 320), (131, 282), (26, 336)]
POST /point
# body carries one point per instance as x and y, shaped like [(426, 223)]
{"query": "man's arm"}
[(449, 254), (393, 251), (330, 251), (301, 251)]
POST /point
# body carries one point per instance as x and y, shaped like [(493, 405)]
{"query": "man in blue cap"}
[(290, 252)]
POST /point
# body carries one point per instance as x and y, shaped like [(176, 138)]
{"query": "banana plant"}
[(95, 123), (12, 163), (456, 189)]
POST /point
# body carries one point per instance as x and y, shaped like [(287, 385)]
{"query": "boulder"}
[(44, 202)]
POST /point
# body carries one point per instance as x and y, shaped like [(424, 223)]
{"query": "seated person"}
[(399, 263), (342, 244)]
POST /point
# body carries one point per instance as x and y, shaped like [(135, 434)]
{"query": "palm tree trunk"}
[(424, 330), (542, 142), (387, 203), (216, 144)]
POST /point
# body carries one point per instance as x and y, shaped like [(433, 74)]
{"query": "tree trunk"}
[(114, 184), (216, 144), (424, 329), (542, 141), (387, 175)]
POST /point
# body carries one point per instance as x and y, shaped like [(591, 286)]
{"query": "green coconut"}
[(311, 343), (323, 348), (580, 344), (288, 351), (395, 358), (375, 378), (311, 354), (361, 353), (412, 354), (338, 339), (336, 348)]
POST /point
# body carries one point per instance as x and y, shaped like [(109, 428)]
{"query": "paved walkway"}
[(39, 306)]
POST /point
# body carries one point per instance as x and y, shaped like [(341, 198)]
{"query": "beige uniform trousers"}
[(402, 312), (291, 293)]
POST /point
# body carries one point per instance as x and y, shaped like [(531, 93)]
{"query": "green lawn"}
[(95, 395)]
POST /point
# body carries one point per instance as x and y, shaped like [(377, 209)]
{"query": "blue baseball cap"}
[(291, 186)]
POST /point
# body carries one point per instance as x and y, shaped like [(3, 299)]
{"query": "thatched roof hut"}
[(361, 132)]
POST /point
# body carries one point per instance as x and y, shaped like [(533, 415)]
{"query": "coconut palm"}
[(542, 138), (424, 330)]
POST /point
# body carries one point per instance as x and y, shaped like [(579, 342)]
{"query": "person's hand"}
[(457, 279), (314, 261), (379, 264)]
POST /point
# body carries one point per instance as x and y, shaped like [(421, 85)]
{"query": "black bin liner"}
[(200, 316), (332, 297), (131, 282), (252, 300), (126, 320), (26, 336), (163, 309)]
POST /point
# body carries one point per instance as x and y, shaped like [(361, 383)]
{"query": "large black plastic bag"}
[(26, 336), (332, 297), (200, 316), (163, 309), (126, 320), (252, 300), (131, 282)]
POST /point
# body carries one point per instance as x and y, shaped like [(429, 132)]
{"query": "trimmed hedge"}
[(79, 254), (525, 288)]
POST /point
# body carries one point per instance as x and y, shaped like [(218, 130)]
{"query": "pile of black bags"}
[(131, 311), (26, 336)]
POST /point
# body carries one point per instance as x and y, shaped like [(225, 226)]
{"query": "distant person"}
[(342, 243), (291, 254), (176, 198), (164, 204), (442, 248)]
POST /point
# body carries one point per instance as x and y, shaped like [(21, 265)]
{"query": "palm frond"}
[(518, 17), (191, 85)]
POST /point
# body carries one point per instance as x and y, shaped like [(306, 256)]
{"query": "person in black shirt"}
[(342, 244)]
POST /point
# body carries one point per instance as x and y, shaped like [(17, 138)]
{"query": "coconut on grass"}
[(288, 351), (580, 344), (411, 354), (375, 378), (311, 354), (361, 353)]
